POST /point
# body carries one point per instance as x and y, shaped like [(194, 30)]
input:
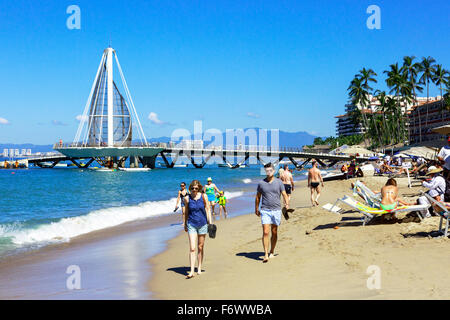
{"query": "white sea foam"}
[(247, 181), (67, 228)]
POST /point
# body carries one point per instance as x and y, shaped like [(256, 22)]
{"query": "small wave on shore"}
[(67, 228)]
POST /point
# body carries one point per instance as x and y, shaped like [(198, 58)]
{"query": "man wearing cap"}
[(436, 187), (444, 157)]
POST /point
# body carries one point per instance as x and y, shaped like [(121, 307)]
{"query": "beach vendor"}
[(268, 193), (436, 188), (210, 189), (183, 192), (222, 201), (196, 217)]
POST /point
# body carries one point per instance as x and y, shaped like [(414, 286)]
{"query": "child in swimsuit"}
[(222, 201)]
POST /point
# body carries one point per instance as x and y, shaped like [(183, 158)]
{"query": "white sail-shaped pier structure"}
[(109, 118)]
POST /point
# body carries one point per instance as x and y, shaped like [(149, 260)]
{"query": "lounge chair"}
[(369, 212), (373, 199), (443, 212)]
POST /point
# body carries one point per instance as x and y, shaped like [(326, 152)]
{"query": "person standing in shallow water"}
[(196, 217), (314, 181), (181, 194), (268, 194)]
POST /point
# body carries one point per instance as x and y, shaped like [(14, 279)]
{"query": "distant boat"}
[(49, 165), (180, 165), (102, 169), (330, 176), (226, 165), (135, 169)]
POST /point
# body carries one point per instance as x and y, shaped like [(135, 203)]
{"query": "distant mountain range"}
[(286, 139)]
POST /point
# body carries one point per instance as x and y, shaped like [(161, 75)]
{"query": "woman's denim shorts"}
[(198, 230)]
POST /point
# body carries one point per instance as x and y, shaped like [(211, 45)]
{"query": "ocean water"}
[(43, 206)]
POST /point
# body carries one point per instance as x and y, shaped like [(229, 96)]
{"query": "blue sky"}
[(232, 64)]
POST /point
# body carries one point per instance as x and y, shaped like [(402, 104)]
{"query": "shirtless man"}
[(288, 181), (314, 180)]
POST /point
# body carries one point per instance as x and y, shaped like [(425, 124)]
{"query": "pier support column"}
[(148, 162)]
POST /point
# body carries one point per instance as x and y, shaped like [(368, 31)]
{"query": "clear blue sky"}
[(290, 62)]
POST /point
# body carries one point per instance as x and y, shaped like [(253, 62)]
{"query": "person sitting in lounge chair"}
[(436, 188), (389, 196)]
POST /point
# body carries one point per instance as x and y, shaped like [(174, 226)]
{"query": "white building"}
[(344, 122), (5, 153), (190, 144)]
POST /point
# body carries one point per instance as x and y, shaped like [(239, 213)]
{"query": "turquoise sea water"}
[(42, 206)]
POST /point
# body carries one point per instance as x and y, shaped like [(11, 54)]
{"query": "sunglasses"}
[(194, 189)]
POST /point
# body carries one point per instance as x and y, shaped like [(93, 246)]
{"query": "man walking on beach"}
[(314, 180), (287, 180), (269, 191)]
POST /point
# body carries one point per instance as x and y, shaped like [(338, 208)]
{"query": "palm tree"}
[(367, 76), (427, 67), (440, 76), (399, 86), (382, 97), (359, 96), (411, 70)]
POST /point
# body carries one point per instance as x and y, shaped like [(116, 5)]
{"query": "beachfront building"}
[(425, 117), (318, 148), (345, 125), (190, 144)]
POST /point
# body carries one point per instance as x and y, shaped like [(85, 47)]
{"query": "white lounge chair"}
[(373, 199), (444, 213), (369, 212)]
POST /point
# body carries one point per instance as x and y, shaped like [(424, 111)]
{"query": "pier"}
[(110, 133), (146, 155)]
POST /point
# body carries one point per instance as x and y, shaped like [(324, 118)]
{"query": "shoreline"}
[(319, 255), (22, 273)]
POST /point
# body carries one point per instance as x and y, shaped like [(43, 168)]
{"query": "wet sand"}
[(320, 255), (113, 262)]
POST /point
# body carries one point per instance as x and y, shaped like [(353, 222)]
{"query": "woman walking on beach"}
[(196, 217), (181, 194), (210, 189)]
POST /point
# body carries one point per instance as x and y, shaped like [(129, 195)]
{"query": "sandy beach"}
[(320, 255)]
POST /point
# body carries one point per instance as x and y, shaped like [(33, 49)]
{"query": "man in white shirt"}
[(444, 157), (436, 188)]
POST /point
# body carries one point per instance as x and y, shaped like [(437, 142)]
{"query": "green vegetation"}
[(387, 125), (334, 142)]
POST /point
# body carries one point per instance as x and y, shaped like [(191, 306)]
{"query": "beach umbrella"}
[(442, 130), (356, 149), (402, 155)]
